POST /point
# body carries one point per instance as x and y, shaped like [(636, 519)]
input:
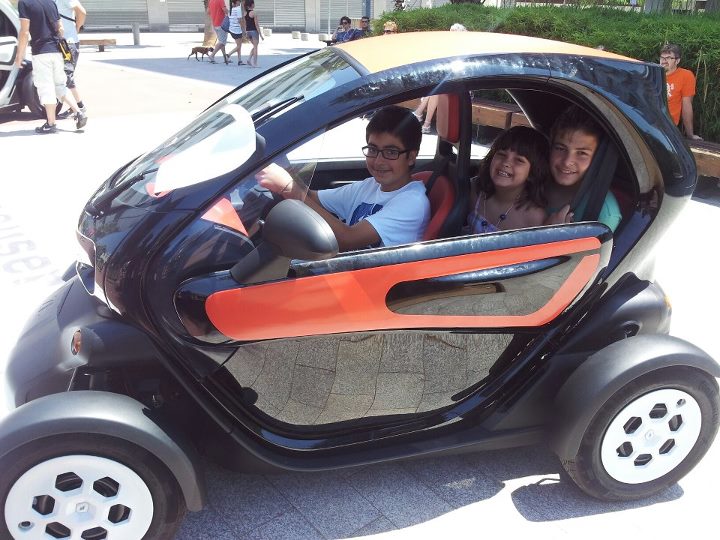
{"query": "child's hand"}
[(278, 180), (564, 215)]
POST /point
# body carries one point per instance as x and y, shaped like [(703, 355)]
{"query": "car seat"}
[(439, 186)]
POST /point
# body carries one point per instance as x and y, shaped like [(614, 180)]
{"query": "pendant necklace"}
[(484, 223)]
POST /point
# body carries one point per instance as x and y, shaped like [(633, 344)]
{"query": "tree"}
[(209, 34)]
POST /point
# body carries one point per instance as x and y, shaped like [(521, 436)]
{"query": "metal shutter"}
[(290, 14), (334, 9), (114, 13), (186, 12)]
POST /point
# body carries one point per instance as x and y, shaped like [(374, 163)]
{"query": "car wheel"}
[(87, 486), (30, 97), (647, 436)]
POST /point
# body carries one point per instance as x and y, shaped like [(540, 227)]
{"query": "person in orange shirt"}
[(680, 89)]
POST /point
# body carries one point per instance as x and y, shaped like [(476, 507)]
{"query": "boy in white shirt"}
[(386, 209)]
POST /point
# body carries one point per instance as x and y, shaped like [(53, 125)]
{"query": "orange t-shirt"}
[(217, 11), (680, 84)]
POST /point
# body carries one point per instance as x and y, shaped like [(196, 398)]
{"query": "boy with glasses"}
[(386, 209), (680, 89)]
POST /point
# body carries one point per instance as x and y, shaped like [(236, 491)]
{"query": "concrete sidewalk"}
[(137, 97)]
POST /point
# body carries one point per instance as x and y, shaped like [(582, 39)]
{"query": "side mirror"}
[(292, 230), (298, 232)]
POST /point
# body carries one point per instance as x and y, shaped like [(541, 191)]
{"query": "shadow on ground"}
[(381, 498), (204, 70)]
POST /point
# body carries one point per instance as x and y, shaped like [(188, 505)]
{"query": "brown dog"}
[(202, 51)]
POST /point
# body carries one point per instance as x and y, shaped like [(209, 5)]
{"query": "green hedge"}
[(629, 33)]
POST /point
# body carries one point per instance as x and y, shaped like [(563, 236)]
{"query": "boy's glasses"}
[(387, 153), (667, 58)]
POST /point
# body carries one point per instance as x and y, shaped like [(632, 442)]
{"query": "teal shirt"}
[(609, 213)]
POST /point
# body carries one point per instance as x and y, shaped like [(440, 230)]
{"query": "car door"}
[(8, 51)]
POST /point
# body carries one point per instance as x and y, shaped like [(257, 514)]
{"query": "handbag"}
[(225, 24), (64, 49)]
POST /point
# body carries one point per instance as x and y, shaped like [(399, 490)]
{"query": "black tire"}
[(625, 473), (30, 98), (136, 468)]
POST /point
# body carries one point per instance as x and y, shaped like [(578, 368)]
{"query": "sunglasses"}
[(666, 58), (388, 31)]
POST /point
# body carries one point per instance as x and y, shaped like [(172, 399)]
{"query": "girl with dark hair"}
[(252, 28), (508, 192)]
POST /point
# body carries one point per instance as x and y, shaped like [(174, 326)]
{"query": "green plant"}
[(630, 33)]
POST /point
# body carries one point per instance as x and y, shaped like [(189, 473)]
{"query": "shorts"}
[(252, 35), (236, 36), (49, 77), (221, 35), (70, 65)]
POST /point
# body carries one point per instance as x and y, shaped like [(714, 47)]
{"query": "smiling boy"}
[(386, 209), (574, 139)]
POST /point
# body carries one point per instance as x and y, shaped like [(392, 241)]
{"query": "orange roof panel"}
[(390, 51)]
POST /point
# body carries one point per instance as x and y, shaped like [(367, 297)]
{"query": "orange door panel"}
[(355, 300)]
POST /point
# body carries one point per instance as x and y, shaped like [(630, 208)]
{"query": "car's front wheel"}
[(647, 436), (87, 486)]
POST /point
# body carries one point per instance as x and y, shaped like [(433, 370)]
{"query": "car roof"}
[(391, 51)]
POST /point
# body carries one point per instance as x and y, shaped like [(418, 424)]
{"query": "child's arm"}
[(349, 237)]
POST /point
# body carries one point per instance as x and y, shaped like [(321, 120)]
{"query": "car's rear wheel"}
[(30, 97), (647, 436), (87, 486)]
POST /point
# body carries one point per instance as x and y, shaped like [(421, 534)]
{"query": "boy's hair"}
[(399, 122), (531, 144), (672, 49), (575, 119), (345, 18)]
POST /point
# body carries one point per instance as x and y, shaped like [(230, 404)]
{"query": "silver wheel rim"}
[(68, 496), (651, 436)]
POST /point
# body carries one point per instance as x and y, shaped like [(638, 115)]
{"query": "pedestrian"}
[(237, 24), (218, 11), (344, 31), (252, 27), (72, 14), (40, 19), (390, 27), (364, 29), (680, 89)]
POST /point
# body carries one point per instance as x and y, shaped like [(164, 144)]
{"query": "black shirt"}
[(43, 16)]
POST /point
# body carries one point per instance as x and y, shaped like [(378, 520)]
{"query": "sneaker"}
[(426, 129), (67, 114), (46, 128), (80, 120)]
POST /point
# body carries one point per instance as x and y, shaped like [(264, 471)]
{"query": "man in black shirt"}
[(40, 19)]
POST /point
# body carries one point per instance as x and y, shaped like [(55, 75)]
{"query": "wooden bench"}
[(99, 42), (707, 157)]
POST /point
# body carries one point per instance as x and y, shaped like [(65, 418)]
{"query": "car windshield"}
[(221, 135)]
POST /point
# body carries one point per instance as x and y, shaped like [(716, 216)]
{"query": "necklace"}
[(484, 222)]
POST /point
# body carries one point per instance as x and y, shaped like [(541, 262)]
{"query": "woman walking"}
[(237, 22), (252, 27)]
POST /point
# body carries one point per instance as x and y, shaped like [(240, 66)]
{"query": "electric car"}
[(208, 316), (16, 85)]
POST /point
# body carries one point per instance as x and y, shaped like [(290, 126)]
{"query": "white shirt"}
[(235, 15), (399, 217), (65, 8)]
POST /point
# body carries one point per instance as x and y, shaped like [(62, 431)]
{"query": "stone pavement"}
[(138, 96)]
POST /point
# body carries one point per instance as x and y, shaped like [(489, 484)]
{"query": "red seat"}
[(442, 194), (442, 199)]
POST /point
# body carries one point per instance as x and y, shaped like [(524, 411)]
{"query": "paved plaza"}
[(139, 95)]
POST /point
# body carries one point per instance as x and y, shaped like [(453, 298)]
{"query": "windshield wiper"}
[(96, 207), (271, 108)]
